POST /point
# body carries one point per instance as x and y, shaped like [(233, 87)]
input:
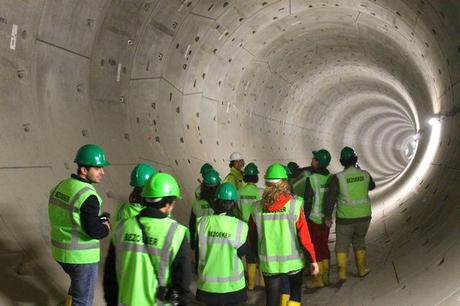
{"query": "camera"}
[(104, 217), (168, 295)]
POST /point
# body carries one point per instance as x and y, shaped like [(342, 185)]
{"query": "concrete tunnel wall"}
[(177, 83)]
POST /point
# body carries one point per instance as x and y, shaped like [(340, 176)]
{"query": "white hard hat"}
[(236, 156)]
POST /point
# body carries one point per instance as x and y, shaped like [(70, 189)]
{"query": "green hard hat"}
[(205, 168), (161, 185), (211, 178), (251, 170), (276, 171), (140, 174), (347, 153), (91, 155), (293, 166), (323, 156), (227, 191)]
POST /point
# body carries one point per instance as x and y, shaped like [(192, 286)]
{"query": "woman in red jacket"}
[(283, 238)]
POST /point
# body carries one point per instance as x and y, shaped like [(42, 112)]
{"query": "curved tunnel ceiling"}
[(177, 83)]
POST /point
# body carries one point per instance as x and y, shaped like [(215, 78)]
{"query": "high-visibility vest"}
[(318, 184), (249, 195), (143, 262), (278, 245), (69, 242), (128, 210), (235, 177), (220, 269), (353, 200), (298, 185), (202, 208)]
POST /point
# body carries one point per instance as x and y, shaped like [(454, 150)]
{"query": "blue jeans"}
[(82, 282)]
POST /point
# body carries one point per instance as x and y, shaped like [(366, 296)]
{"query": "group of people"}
[(236, 230)]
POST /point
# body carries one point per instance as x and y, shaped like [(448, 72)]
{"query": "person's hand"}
[(107, 223), (314, 268), (328, 222)]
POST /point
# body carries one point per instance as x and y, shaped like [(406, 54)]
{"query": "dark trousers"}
[(273, 284)]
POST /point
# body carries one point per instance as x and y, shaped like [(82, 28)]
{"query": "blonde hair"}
[(273, 191)]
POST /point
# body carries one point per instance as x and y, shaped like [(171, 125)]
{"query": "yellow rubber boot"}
[(317, 280), (284, 299), (261, 279), (360, 257), (68, 300), (325, 264), (341, 266), (252, 269), (292, 303)]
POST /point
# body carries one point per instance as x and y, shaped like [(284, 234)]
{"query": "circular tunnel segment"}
[(279, 79), (180, 83)]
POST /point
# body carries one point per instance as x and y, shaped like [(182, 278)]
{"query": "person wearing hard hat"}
[(140, 174), (149, 256), (316, 187), (350, 190), (282, 238), (295, 172), (205, 168), (221, 240), (249, 195), (298, 180), (203, 205), (235, 177), (77, 224)]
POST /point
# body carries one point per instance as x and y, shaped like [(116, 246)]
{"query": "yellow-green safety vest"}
[(69, 242), (128, 210), (235, 177), (220, 270), (318, 184), (299, 185), (278, 245), (202, 208), (143, 262), (353, 200), (249, 195)]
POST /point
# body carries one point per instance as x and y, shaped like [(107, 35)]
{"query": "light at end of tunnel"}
[(434, 121)]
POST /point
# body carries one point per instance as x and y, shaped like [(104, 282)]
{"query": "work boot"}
[(284, 299), (261, 279), (292, 303), (325, 264), (317, 280), (360, 258), (341, 266), (252, 269), (68, 300)]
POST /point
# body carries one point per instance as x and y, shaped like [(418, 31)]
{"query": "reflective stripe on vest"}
[(163, 253), (260, 219), (317, 213), (144, 257), (353, 199), (202, 208), (249, 195), (205, 240), (70, 207)]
